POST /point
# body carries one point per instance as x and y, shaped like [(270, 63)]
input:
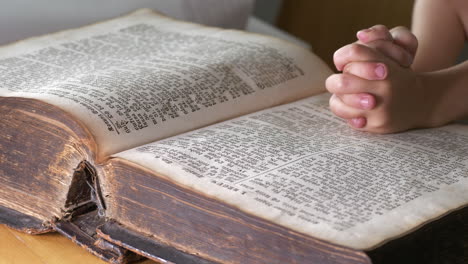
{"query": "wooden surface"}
[(329, 25), (20, 248)]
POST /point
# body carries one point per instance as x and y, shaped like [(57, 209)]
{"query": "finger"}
[(345, 83), (393, 51), (378, 32), (367, 70), (404, 38), (363, 101), (340, 109), (356, 52), (398, 44), (358, 122)]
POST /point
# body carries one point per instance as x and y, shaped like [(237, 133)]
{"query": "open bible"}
[(146, 136)]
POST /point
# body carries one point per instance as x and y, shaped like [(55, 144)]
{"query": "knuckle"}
[(329, 84), (384, 122), (333, 106), (380, 44), (406, 58), (380, 27), (336, 54), (404, 34), (399, 54), (334, 83), (365, 70), (340, 52), (338, 111), (381, 122), (342, 82), (400, 28), (381, 125), (355, 50), (402, 56), (348, 67), (336, 108)]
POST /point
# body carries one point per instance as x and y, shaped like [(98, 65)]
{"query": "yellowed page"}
[(144, 77), (299, 166)]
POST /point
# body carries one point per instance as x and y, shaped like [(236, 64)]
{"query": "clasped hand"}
[(377, 90)]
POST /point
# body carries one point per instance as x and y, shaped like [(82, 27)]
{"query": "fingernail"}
[(358, 122), (365, 102), (362, 35), (367, 30), (380, 71)]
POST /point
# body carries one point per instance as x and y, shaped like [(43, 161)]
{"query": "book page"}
[(144, 77), (299, 166)]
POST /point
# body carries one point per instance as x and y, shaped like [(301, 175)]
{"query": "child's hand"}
[(376, 91), (398, 44)]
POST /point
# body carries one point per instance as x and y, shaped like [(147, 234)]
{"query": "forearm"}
[(447, 90), (441, 35)]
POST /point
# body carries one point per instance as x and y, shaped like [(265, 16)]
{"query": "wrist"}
[(430, 114), (445, 95)]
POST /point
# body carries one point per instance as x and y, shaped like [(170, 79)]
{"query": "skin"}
[(379, 92)]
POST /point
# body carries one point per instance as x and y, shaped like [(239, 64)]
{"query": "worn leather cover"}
[(146, 246), (444, 241), (24, 223), (82, 230)]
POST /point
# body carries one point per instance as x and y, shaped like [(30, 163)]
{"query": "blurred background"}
[(322, 25), (329, 25)]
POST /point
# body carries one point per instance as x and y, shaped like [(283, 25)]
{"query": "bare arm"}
[(378, 93), (448, 92), (439, 27), (440, 31)]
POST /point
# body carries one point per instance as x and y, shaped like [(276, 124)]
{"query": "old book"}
[(192, 144)]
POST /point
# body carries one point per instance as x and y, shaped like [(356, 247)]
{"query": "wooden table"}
[(53, 248)]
